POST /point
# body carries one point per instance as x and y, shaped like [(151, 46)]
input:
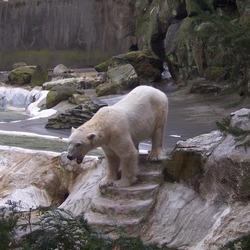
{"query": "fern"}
[(47, 228)]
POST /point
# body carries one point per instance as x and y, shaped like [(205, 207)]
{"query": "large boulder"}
[(147, 66), (61, 69), (217, 165), (118, 79), (21, 75)]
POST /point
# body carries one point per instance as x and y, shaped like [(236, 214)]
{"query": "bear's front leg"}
[(112, 168), (129, 166)]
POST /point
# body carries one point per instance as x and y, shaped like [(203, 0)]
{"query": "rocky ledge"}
[(197, 199)]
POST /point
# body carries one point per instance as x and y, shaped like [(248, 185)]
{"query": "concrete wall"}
[(80, 32)]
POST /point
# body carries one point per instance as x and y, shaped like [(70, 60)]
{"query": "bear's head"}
[(80, 143)]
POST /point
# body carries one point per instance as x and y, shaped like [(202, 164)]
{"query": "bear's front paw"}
[(157, 155), (124, 182), (106, 182)]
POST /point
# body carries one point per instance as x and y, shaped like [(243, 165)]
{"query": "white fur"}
[(119, 129)]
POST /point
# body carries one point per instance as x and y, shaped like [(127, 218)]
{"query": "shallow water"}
[(10, 116)]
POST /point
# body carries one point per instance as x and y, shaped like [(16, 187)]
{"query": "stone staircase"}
[(126, 208)]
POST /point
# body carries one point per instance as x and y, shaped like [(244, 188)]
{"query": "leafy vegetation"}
[(227, 45), (239, 244), (54, 228)]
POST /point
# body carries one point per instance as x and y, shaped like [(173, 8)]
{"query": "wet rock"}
[(74, 117), (21, 75), (39, 76), (118, 80)]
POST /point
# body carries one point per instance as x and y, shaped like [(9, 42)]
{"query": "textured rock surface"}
[(74, 117), (33, 177)]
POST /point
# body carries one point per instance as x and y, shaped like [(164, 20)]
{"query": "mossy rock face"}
[(60, 93), (244, 10), (215, 73), (207, 41), (39, 76), (196, 7), (21, 76)]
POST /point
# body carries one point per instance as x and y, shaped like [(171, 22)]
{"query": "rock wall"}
[(78, 32), (206, 38)]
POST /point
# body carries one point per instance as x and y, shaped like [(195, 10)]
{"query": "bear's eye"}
[(78, 145)]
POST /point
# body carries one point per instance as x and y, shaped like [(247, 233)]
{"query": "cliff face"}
[(94, 30)]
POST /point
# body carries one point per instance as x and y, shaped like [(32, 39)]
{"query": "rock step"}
[(150, 176), (107, 221), (139, 191), (128, 207)]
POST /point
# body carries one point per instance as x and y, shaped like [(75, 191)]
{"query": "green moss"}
[(40, 76), (51, 58), (102, 67), (33, 143)]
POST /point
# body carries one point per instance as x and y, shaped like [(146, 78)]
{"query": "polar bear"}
[(118, 129)]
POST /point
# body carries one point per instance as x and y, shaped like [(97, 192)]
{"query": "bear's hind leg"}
[(157, 151), (112, 168)]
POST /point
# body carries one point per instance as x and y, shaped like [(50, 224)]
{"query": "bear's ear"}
[(72, 130), (91, 136)]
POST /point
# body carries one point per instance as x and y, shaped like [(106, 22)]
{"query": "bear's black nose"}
[(70, 157)]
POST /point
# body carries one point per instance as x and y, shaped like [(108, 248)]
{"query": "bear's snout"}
[(70, 157)]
